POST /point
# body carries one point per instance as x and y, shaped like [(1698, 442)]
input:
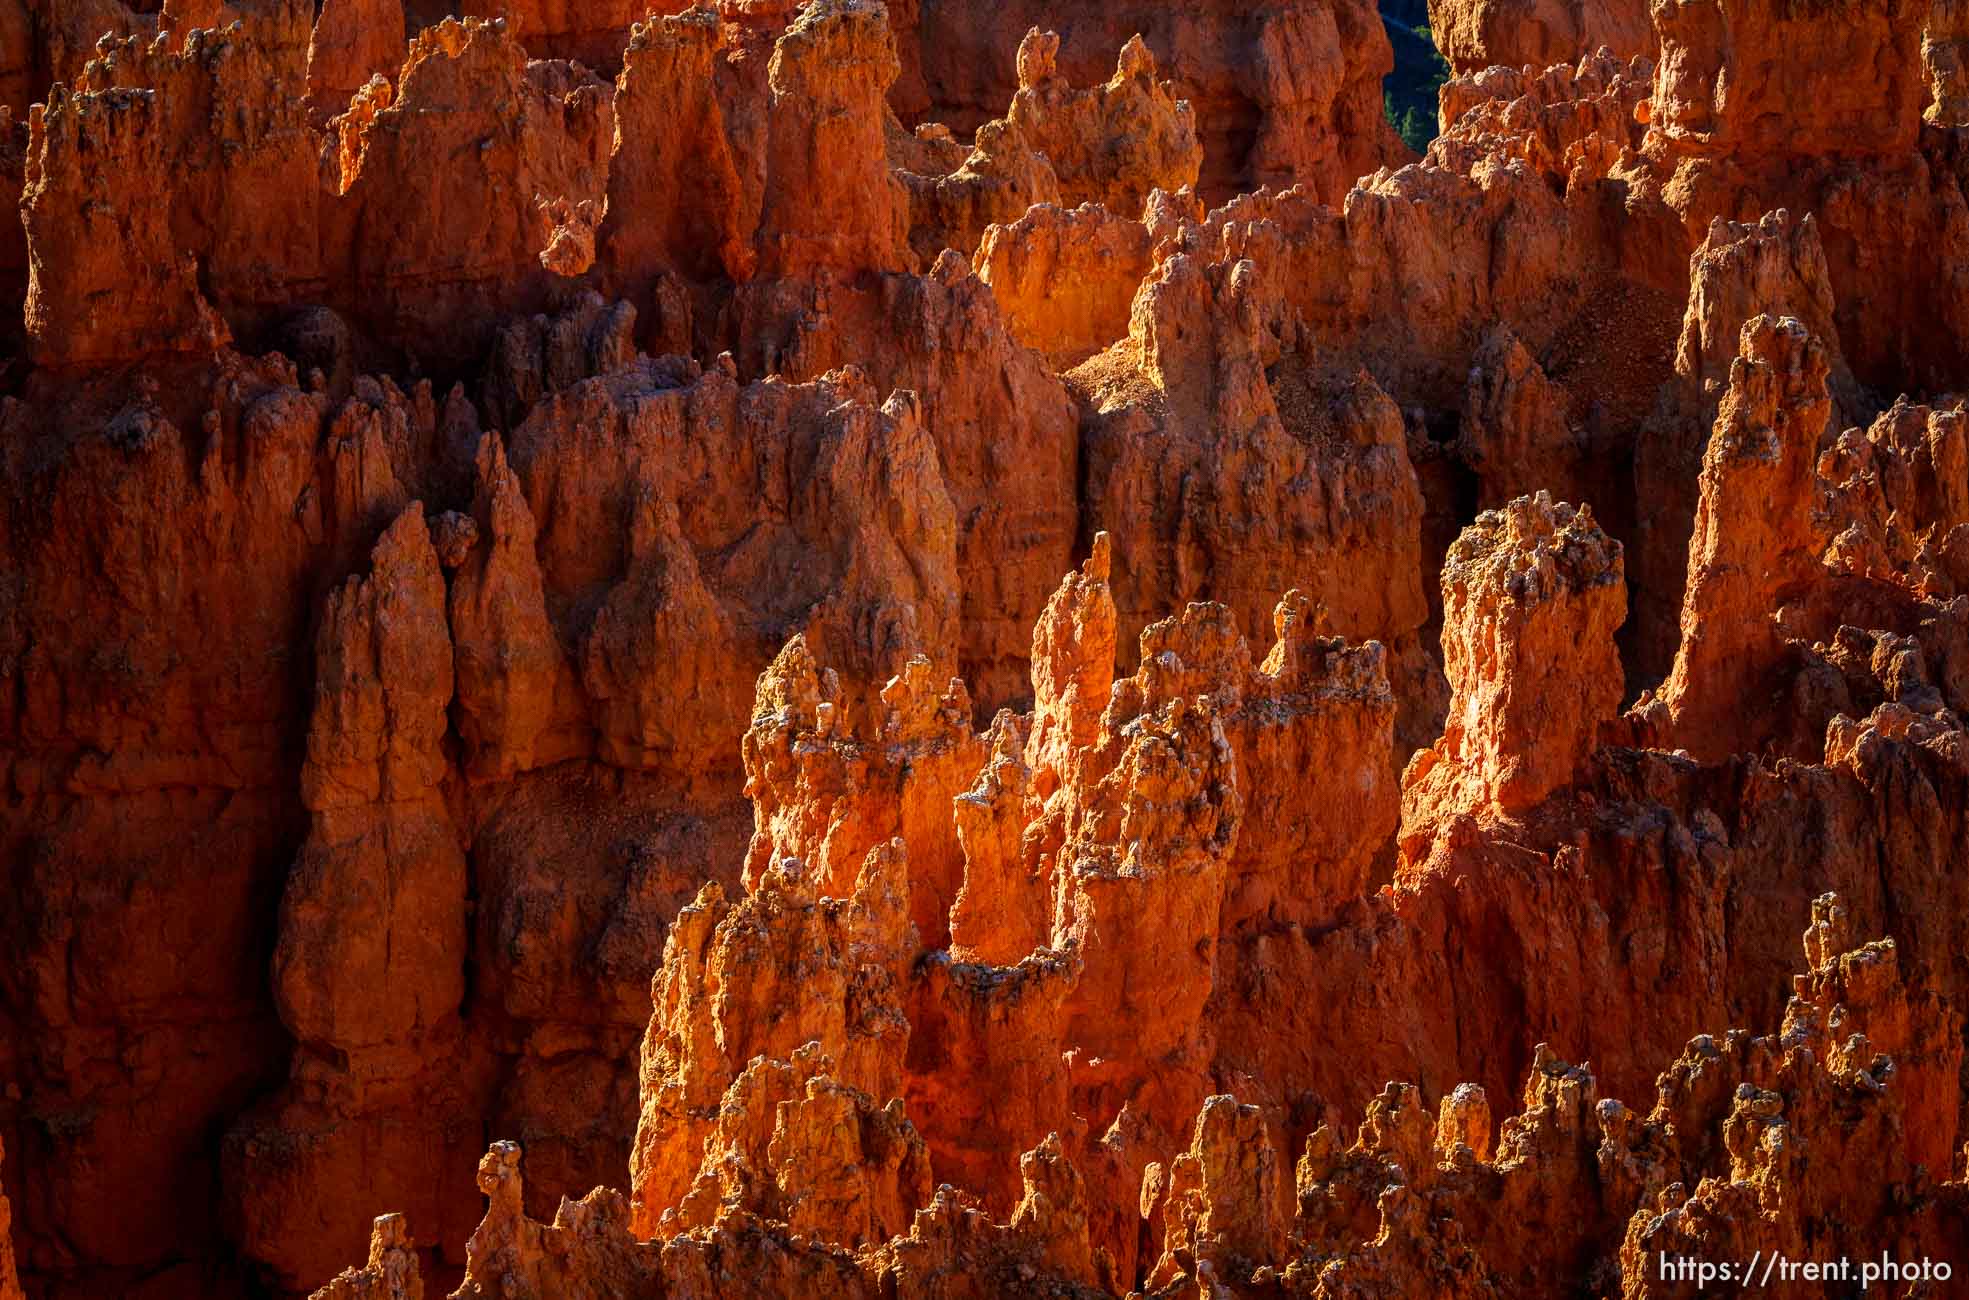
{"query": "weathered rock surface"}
[(559, 29), (373, 936), (1110, 145), (85, 235), (10, 1287), (1942, 51), (1791, 105), (1065, 278), (466, 92), (1753, 545), (1478, 34), (531, 613), (1771, 1133), (1281, 92), (1532, 596), (353, 41), (391, 1272)]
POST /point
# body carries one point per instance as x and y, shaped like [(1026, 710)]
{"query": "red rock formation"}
[(1477, 34), (562, 29), (1775, 266), (1516, 433), (952, 1249), (286, 485), (1097, 889), (1219, 1201), (1313, 704), (1532, 595), (1753, 544), (1748, 1096), (369, 973), (353, 41), (1455, 1218), (1570, 117), (17, 74), (49, 43), (1111, 145), (1800, 103), (828, 786), (1280, 92), (1894, 494), (828, 76), (467, 93), (559, 657), (828, 280), (954, 200), (1065, 278), (1005, 436), (1942, 49), (241, 166), (796, 1146), (1224, 455), (10, 1287), (372, 951), (781, 968), (390, 1274), (692, 572), (1765, 135), (369, 736), (1576, 1186), (105, 280), (671, 164), (516, 704)]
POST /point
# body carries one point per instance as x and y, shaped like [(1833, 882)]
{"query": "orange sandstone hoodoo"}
[(958, 651)]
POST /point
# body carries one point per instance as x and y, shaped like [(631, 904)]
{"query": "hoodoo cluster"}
[(944, 651)]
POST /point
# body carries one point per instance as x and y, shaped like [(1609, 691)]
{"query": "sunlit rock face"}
[(932, 651)]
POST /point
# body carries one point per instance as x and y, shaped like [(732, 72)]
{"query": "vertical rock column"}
[(1754, 541), (353, 40), (675, 198), (1777, 266), (105, 281), (1219, 1202), (831, 201), (369, 966), (372, 936), (10, 1287), (765, 976), (1532, 595)]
